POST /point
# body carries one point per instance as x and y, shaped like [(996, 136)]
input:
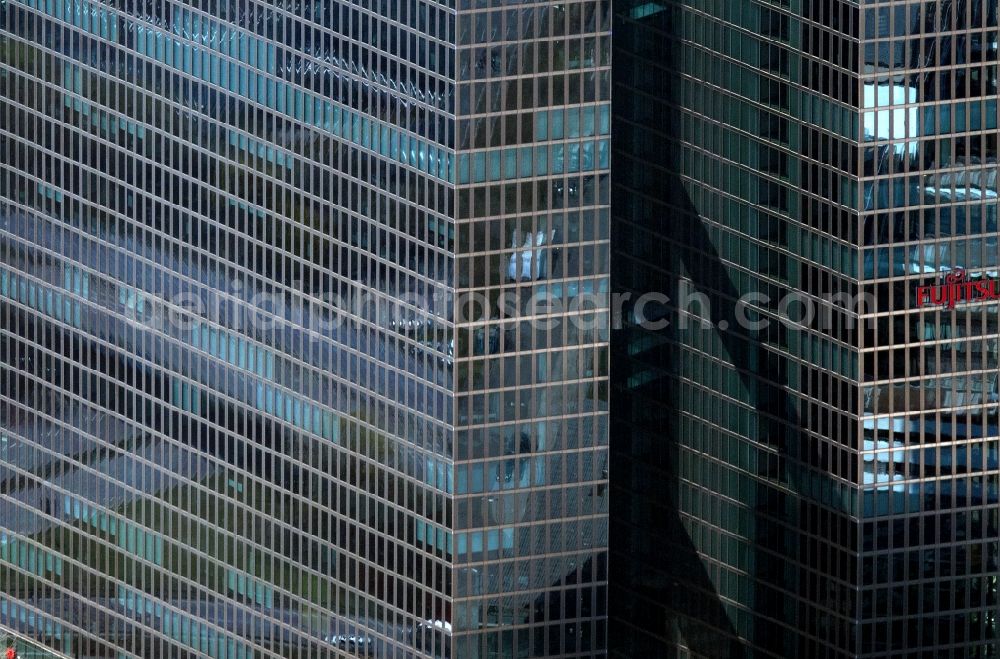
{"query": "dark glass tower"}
[(303, 318), (805, 435)]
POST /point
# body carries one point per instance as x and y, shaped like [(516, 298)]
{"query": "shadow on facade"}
[(665, 593)]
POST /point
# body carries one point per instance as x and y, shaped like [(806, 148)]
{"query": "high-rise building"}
[(805, 447), (303, 327)]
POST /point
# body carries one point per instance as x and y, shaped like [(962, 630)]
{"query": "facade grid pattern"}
[(828, 486), (240, 413)]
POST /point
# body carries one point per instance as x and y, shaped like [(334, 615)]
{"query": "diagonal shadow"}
[(687, 588), (663, 591), (704, 617)]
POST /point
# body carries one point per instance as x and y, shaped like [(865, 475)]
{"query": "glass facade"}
[(304, 340), (732, 449), (825, 482), (532, 351), (930, 527)]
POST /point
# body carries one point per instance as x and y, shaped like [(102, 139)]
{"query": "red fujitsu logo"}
[(957, 288)]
